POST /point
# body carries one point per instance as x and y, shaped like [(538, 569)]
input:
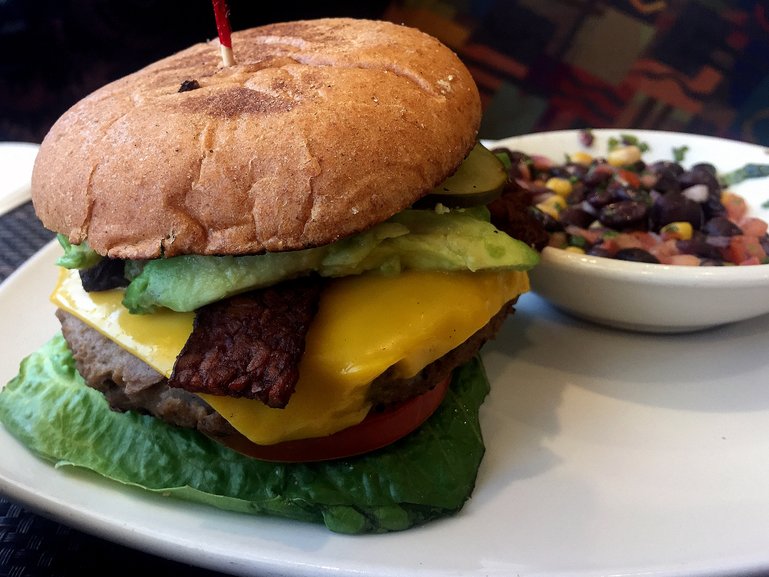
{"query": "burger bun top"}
[(321, 129)]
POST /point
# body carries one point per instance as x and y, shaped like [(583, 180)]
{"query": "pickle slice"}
[(478, 180)]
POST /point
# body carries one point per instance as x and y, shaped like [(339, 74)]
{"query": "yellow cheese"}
[(365, 325), (156, 339)]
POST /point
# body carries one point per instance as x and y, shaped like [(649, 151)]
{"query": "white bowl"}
[(654, 297)]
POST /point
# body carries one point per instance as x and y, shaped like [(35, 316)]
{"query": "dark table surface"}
[(35, 546)]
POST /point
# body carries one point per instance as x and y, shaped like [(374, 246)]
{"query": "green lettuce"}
[(411, 240), (429, 474), (79, 256)]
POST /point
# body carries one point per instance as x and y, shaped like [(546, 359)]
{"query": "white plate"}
[(16, 160), (608, 453), (654, 297)]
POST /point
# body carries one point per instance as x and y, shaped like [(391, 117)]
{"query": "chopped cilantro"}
[(679, 153), (578, 241), (627, 140), (744, 173)]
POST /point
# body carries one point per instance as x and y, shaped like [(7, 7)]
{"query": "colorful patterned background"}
[(697, 66)]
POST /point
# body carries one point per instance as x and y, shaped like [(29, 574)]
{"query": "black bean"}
[(599, 197), (559, 172), (576, 216), (675, 207), (548, 222), (577, 170), (578, 193), (721, 226), (598, 250), (706, 166), (624, 192), (598, 174), (660, 165), (698, 246), (713, 206), (700, 176), (624, 214), (667, 181), (636, 255), (764, 242)]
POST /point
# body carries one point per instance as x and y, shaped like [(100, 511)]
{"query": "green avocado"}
[(437, 240)]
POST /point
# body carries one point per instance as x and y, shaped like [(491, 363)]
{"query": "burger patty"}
[(129, 384)]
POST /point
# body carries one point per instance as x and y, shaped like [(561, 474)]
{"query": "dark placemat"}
[(35, 546), (21, 236)]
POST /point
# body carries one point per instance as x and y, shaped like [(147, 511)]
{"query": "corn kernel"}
[(552, 205), (581, 157), (624, 156), (575, 249), (677, 230), (560, 186)]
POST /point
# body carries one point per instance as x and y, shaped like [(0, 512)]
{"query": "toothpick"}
[(222, 13)]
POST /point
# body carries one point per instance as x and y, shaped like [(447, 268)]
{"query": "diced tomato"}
[(636, 239), (743, 249), (592, 236), (629, 178), (609, 244), (753, 227), (628, 240), (541, 163), (735, 205), (684, 260), (647, 239), (664, 251), (751, 261)]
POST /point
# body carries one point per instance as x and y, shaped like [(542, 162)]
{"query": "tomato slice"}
[(377, 430)]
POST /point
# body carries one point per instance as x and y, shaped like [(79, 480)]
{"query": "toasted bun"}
[(321, 129)]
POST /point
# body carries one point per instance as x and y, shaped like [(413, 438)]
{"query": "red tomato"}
[(377, 430), (745, 249), (628, 240), (592, 236), (665, 251), (753, 227), (735, 206), (629, 178)]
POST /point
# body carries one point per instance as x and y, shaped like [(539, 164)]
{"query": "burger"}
[(276, 278)]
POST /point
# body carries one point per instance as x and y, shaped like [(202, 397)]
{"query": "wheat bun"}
[(321, 129)]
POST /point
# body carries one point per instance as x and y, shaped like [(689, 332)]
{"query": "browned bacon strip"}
[(249, 345)]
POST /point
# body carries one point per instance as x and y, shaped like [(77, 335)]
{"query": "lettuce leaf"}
[(429, 474), (80, 256)]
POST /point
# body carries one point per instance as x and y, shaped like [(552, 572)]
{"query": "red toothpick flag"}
[(222, 13)]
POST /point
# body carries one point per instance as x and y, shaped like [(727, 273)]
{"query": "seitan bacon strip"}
[(250, 345)]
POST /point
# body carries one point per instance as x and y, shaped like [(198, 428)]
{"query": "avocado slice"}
[(478, 180)]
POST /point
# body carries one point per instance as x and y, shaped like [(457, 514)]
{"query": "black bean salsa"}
[(618, 206)]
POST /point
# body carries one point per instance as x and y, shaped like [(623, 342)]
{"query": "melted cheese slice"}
[(365, 325)]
